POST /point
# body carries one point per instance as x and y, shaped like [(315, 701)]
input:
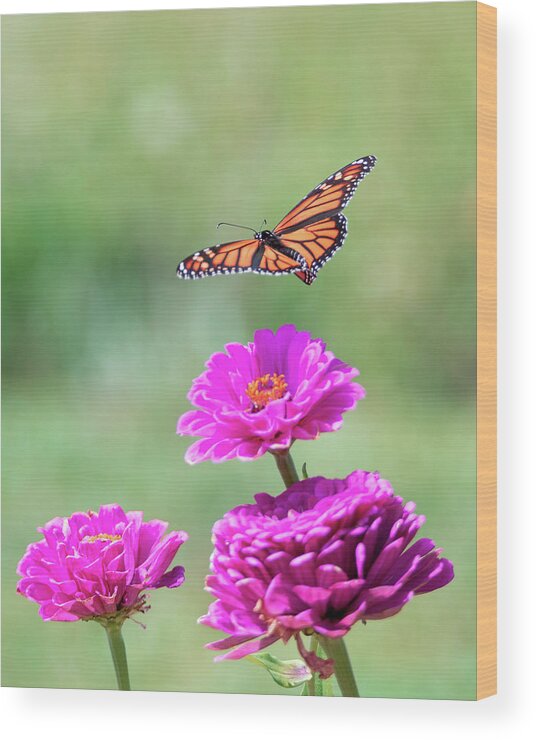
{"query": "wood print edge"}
[(486, 43)]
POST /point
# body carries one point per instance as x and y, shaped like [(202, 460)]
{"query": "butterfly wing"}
[(329, 197), (316, 242), (245, 255)]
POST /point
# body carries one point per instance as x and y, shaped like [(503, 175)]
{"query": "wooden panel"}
[(486, 18)]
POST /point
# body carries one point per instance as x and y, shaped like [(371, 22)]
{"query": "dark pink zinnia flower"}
[(262, 396), (98, 565), (316, 559)]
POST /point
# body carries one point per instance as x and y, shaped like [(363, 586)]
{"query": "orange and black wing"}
[(328, 198), (246, 255), (316, 242)]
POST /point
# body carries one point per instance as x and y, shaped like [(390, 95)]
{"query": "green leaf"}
[(286, 673), (305, 474)]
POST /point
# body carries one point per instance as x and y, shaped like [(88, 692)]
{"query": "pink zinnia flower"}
[(316, 559), (94, 565), (262, 396)]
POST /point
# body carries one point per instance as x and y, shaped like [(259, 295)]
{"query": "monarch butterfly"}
[(306, 238)]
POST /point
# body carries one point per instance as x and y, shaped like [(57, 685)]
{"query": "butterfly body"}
[(303, 241), (269, 239)]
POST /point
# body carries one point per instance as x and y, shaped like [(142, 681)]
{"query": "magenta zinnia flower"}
[(98, 565), (316, 559), (262, 396)]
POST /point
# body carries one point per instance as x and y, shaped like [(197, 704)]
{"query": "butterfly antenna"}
[(236, 226), (264, 223)]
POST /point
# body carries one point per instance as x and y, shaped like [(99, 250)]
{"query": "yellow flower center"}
[(102, 537), (265, 389)]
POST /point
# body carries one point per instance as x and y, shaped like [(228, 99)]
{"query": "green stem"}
[(311, 684), (336, 650), (286, 467), (119, 655)]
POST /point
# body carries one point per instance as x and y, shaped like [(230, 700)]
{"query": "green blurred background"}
[(126, 138)]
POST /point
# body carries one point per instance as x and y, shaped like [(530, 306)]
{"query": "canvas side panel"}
[(486, 17)]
